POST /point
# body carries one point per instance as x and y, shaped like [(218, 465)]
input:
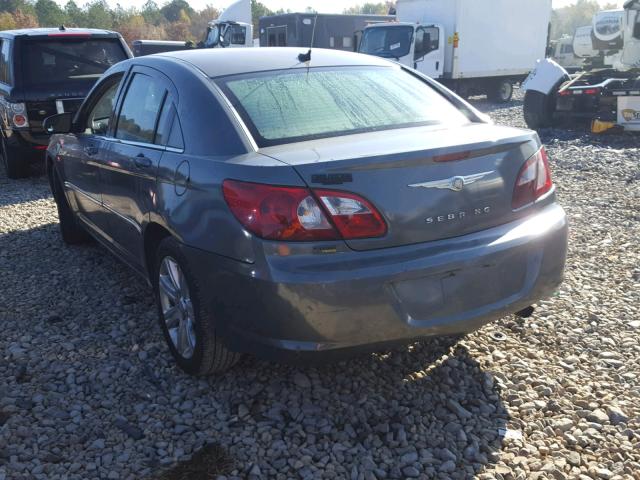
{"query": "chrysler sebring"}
[(280, 204)]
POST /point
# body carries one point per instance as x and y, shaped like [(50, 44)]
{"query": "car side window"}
[(175, 136), (169, 130), (5, 62), (140, 110), (427, 40), (100, 114)]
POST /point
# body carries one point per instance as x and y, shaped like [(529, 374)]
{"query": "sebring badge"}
[(454, 183)]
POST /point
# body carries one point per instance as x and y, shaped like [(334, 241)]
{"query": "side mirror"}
[(60, 123)]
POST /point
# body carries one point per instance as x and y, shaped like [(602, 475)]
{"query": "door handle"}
[(142, 162), (91, 150)]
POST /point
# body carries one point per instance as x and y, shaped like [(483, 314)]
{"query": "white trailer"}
[(471, 46)]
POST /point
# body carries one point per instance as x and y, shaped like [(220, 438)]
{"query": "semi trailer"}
[(606, 94)]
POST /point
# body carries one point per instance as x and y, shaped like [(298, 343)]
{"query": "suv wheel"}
[(187, 324), (71, 231), (13, 164)]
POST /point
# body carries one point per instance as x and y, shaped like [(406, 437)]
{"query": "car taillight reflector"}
[(533, 181), (294, 213)]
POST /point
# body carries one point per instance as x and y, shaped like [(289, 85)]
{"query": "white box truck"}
[(472, 46)]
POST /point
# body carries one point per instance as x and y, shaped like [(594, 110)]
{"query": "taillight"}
[(353, 216), (18, 114), (294, 213), (533, 181)]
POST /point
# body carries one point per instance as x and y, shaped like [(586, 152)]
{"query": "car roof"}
[(219, 62), (40, 32)]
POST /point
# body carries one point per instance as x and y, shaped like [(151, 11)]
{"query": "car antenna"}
[(306, 57)]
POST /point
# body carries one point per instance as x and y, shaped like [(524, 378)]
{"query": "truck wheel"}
[(71, 231), (501, 91), (538, 109), (13, 164), (188, 326)]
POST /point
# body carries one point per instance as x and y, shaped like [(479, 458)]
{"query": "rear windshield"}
[(286, 106), (54, 61)]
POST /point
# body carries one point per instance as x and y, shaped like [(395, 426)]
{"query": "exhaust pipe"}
[(525, 312)]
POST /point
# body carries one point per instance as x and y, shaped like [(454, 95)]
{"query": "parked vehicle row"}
[(281, 208)]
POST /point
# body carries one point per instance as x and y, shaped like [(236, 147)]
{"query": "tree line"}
[(177, 20)]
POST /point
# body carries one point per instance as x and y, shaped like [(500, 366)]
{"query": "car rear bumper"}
[(331, 301)]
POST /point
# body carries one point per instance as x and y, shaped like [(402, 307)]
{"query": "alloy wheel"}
[(177, 307)]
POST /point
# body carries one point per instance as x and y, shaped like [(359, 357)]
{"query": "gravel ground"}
[(88, 388)]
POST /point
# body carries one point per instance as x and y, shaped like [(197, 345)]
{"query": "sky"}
[(323, 6)]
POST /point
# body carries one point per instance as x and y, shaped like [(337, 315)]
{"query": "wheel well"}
[(153, 235)]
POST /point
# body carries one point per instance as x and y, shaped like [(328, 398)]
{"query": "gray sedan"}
[(285, 207)]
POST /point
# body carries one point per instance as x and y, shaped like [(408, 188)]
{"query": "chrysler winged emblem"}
[(454, 183)]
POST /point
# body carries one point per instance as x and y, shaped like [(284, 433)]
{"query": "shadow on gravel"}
[(425, 409), (205, 464), (79, 331)]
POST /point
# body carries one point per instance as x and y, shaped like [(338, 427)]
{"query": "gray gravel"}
[(89, 390)]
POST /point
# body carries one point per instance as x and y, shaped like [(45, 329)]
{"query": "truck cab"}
[(228, 34), (417, 46)]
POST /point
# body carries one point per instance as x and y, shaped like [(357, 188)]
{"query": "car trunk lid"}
[(428, 183)]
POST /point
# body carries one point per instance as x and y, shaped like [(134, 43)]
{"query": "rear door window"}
[(60, 61), (141, 108)]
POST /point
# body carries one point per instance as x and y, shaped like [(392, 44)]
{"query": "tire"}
[(501, 91), (538, 109), (71, 231), (189, 330), (13, 164)]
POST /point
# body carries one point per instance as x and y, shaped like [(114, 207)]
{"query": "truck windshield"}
[(57, 61), (387, 41), (295, 105)]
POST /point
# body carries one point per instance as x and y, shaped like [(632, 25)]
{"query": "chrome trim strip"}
[(152, 146), (130, 221), (236, 115), (75, 188)]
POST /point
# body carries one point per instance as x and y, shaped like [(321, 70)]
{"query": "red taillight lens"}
[(20, 120), (277, 213), (353, 216), (294, 214), (534, 180)]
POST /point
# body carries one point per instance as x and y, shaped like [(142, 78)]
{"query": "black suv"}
[(44, 71)]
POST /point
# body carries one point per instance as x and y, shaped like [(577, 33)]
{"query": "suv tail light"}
[(18, 114), (534, 180), (296, 214)]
